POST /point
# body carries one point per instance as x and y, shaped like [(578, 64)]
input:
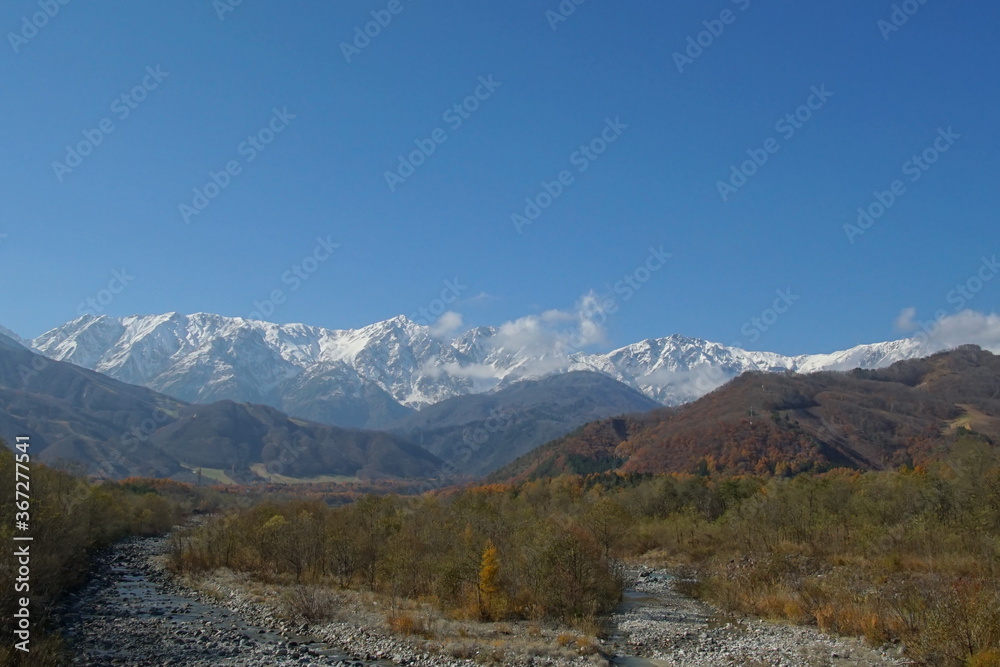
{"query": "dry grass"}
[(422, 625), (312, 604), (946, 619), (408, 624), (565, 638), (987, 658)]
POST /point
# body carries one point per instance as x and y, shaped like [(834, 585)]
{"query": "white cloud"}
[(688, 384), (556, 316), (449, 323), (555, 333), (968, 326), (482, 297), (904, 322), (530, 346), (470, 371)]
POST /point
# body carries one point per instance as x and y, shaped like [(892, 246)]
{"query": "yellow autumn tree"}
[(489, 583)]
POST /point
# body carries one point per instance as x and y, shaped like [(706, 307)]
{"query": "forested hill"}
[(112, 429), (763, 423)]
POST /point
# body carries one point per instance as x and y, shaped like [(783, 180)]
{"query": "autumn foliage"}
[(489, 553), (70, 518)]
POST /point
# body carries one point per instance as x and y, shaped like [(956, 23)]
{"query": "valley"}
[(567, 519), (379, 374), (325, 354)]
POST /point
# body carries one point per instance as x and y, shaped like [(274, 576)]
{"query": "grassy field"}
[(215, 474), (260, 469)]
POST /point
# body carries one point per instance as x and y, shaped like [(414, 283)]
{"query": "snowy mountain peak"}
[(380, 368)]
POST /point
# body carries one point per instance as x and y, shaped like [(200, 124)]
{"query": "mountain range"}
[(234, 396), (379, 375), (763, 423), (479, 433), (109, 428)]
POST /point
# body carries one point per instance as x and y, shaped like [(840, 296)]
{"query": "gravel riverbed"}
[(665, 627), (132, 612)]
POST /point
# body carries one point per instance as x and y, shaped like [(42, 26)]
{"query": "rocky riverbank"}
[(132, 612), (667, 628)]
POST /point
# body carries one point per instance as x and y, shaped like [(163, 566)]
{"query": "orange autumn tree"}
[(489, 583)]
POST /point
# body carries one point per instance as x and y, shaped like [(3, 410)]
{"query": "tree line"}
[(483, 553), (70, 519), (909, 556)]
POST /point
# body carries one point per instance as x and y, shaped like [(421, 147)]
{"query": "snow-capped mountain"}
[(360, 377), (677, 369), (374, 375)]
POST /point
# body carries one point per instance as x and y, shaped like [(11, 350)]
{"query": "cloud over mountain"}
[(372, 376)]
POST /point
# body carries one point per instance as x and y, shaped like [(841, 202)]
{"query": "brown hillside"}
[(763, 423)]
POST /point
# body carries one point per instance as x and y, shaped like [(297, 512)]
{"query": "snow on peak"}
[(204, 356)]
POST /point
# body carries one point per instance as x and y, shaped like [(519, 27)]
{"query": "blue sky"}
[(328, 122)]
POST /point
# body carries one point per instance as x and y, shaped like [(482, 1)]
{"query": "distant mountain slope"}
[(784, 423), (116, 429), (78, 415), (376, 375), (676, 369), (4, 331), (237, 437), (204, 358), (482, 432)]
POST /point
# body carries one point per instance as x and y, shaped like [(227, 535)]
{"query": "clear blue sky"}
[(656, 184)]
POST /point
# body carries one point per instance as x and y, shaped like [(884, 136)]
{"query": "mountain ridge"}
[(115, 429), (378, 374), (479, 433), (782, 424)]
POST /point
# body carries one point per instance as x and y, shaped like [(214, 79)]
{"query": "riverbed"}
[(132, 612)]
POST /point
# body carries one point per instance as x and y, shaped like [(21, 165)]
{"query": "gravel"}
[(656, 625), (132, 612)]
